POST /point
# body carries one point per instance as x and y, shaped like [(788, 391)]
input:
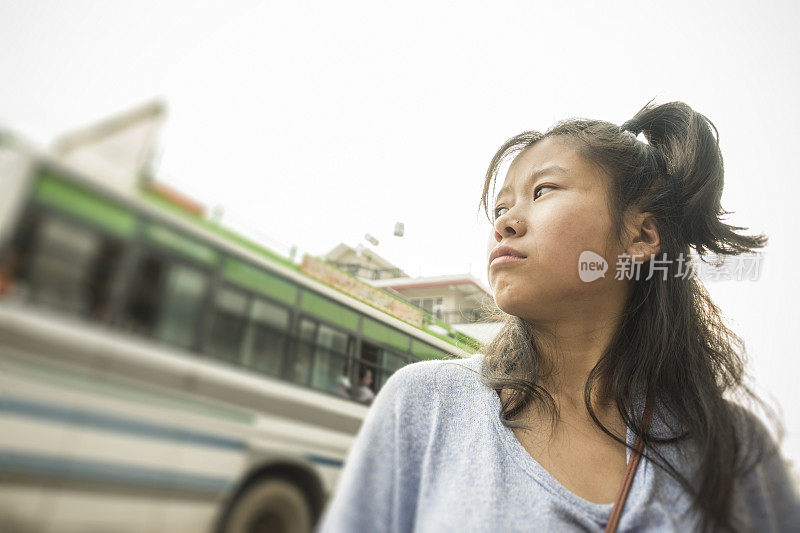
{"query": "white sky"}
[(315, 123)]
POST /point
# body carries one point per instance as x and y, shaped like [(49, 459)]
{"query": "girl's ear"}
[(645, 241)]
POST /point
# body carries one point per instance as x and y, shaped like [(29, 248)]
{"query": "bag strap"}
[(638, 446)]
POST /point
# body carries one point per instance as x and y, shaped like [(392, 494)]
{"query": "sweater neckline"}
[(599, 511)]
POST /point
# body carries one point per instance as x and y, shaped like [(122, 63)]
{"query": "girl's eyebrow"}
[(549, 169)]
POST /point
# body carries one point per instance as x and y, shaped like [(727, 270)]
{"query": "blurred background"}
[(306, 176)]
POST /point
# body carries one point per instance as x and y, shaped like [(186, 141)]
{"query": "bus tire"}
[(272, 505)]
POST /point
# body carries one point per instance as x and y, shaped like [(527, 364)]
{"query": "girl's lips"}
[(503, 259)]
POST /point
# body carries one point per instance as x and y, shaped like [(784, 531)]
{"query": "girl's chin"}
[(511, 306)]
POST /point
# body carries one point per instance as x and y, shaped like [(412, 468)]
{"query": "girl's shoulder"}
[(766, 492), (751, 430), (434, 380), (447, 372)]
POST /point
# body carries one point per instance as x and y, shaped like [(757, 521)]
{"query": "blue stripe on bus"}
[(134, 427), (324, 460), (81, 470), (115, 423)]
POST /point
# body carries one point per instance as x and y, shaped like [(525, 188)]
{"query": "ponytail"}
[(692, 162)]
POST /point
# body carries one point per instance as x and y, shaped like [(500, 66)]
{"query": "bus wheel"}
[(270, 506)]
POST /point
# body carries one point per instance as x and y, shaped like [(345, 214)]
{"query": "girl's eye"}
[(535, 196), (539, 188)]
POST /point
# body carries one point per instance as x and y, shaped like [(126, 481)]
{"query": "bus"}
[(162, 373)]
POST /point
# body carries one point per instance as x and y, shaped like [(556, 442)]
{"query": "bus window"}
[(71, 267), (299, 370), (227, 325), (364, 391), (265, 339), (141, 312), (166, 301), (391, 363), (15, 265), (181, 305), (9, 269), (331, 361), (101, 275), (365, 388)]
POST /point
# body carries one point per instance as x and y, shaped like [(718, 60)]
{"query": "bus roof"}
[(149, 201)]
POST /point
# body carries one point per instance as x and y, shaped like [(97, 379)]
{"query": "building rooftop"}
[(432, 281)]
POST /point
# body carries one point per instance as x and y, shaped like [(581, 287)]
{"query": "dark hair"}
[(672, 340)]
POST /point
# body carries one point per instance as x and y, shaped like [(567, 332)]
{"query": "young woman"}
[(610, 345)]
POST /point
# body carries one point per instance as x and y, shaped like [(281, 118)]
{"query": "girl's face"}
[(551, 208)]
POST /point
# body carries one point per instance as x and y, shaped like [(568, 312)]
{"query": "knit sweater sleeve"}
[(377, 488)]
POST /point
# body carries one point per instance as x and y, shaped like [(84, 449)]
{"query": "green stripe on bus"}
[(426, 351), (465, 342), (55, 192), (324, 308), (180, 244), (378, 332), (259, 280), (119, 390)]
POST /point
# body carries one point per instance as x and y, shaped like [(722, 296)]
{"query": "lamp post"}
[(399, 231)]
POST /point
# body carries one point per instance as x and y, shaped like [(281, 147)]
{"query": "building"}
[(459, 300), (363, 263)]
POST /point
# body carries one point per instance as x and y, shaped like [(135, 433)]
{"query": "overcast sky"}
[(315, 123)]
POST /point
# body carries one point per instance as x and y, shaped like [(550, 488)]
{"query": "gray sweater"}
[(432, 455)]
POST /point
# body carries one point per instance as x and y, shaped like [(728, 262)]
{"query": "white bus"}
[(161, 374)]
